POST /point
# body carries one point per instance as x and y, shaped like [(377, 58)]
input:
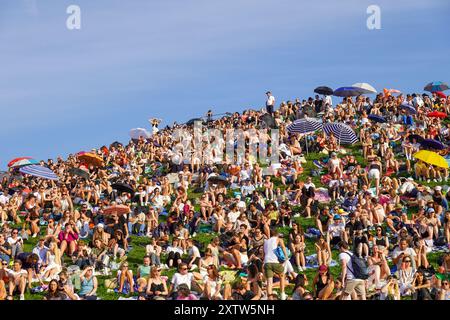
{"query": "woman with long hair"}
[(156, 285)]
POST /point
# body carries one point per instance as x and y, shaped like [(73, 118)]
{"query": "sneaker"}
[(300, 269), (22, 297), (34, 235), (194, 234), (283, 296)]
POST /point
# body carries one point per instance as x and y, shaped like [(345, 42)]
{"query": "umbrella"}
[(433, 144), (305, 125), (90, 158), (327, 91), (416, 136), (192, 121), (348, 92), (79, 172), (122, 187), (137, 133), (39, 171), (377, 118), (436, 86), (437, 114), (118, 209), (24, 162), (408, 108), (218, 180), (341, 131), (432, 158), (440, 94), (18, 159), (268, 120), (115, 144), (365, 87)]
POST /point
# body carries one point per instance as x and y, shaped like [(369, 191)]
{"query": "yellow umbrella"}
[(431, 157)]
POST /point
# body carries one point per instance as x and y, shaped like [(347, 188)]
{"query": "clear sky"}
[(63, 91)]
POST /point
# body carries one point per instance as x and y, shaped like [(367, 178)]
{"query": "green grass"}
[(137, 252)]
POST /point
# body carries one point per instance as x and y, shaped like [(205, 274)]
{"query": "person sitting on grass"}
[(125, 279), (17, 280), (89, 284)]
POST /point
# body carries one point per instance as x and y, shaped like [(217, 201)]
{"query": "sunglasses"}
[(183, 268), (407, 261)]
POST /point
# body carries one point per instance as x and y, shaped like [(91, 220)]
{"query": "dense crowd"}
[(329, 221)]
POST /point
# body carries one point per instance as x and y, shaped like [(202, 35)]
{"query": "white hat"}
[(410, 179), (101, 225), (438, 188)]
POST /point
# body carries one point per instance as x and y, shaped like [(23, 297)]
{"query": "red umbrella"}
[(117, 209), (437, 114), (18, 159), (440, 94)]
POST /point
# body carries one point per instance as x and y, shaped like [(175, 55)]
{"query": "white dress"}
[(52, 264)]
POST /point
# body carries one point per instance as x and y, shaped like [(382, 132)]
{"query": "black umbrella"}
[(432, 143), (324, 90), (115, 144), (376, 118), (268, 120), (192, 121), (79, 172), (218, 180), (415, 136), (122, 187)]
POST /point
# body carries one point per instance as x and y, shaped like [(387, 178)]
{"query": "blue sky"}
[(63, 91)]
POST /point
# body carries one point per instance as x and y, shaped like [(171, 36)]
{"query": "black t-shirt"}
[(248, 295), (26, 265)]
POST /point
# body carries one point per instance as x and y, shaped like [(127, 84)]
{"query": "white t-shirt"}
[(194, 252), (179, 278), (233, 215), (336, 230), (346, 256), (269, 246), (270, 101)]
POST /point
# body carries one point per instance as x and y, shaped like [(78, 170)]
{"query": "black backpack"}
[(359, 269)]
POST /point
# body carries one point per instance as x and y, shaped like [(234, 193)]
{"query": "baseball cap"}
[(337, 217), (101, 225), (438, 188)]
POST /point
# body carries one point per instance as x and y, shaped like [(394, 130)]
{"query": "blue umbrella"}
[(306, 125), (433, 144), (348, 92), (341, 131), (416, 136), (436, 86), (377, 118), (39, 171), (408, 108)]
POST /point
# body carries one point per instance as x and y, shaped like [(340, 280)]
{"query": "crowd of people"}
[(343, 222)]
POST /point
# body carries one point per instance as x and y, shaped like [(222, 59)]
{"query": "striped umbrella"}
[(39, 171), (306, 125), (24, 162), (341, 131), (17, 159)]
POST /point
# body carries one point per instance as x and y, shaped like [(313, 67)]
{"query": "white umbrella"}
[(136, 133), (365, 86)]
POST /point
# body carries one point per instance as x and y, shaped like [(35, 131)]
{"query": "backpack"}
[(360, 269), (280, 254)]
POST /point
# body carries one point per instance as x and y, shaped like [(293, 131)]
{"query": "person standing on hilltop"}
[(270, 103)]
